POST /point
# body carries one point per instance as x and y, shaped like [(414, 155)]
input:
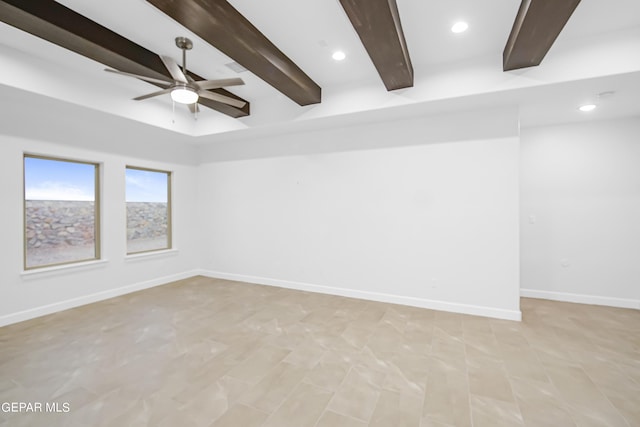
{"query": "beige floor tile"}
[(509, 337), (370, 316), (397, 409), (628, 406), (215, 400), (449, 323), (427, 422), (353, 337), (77, 398), (408, 374), (418, 339), (450, 350), (106, 408), (324, 315), (487, 412), (421, 322), (274, 388), (482, 345), (358, 394), (386, 338), (332, 419), (37, 419), (240, 415), (540, 404), (621, 390), (488, 378), (396, 318), (523, 363), (379, 360), (476, 326), (544, 413), (446, 398), (591, 417), (331, 370), (290, 337), (575, 386), (306, 354), (302, 408), (631, 367), (259, 364), (203, 352)]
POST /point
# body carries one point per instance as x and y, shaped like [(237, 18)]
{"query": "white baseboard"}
[(373, 296), (88, 299), (351, 293), (581, 299)]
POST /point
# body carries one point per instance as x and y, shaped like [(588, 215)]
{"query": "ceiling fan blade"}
[(174, 69), (137, 76), (151, 95), (221, 98), (194, 108), (215, 84)]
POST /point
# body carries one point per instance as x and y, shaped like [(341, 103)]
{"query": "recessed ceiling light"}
[(587, 107), (338, 55), (460, 27)]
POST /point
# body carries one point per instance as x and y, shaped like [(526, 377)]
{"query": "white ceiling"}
[(596, 52)]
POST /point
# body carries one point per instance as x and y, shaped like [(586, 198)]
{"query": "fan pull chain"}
[(173, 117)]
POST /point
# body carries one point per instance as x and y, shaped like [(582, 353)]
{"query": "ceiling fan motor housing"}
[(184, 43)]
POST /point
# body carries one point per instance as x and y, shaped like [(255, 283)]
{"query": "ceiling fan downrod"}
[(184, 44)]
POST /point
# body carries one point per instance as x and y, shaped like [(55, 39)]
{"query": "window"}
[(148, 210), (61, 211)]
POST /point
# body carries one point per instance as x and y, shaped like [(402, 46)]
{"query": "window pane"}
[(148, 210), (60, 211)]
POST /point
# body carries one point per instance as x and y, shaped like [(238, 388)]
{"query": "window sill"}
[(152, 254), (61, 269)]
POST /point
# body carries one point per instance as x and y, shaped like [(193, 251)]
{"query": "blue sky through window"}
[(46, 179), (146, 186)]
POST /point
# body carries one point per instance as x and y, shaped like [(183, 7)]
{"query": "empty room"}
[(320, 213)]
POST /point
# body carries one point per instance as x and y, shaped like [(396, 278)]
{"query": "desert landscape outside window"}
[(148, 200), (61, 211)]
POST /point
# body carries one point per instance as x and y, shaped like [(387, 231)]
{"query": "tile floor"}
[(206, 352)]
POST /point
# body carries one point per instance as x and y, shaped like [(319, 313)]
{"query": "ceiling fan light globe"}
[(184, 95)]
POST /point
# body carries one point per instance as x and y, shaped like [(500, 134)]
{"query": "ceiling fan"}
[(183, 88)]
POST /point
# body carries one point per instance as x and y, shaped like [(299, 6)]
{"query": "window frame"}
[(169, 211), (96, 211)]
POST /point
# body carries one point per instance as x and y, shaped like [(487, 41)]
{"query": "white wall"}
[(26, 295), (422, 211), (425, 211), (580, 216)]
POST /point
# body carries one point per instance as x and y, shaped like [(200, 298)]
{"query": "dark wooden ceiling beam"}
[(222, 26), (535, 29), (377, 23), (60, 25)]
